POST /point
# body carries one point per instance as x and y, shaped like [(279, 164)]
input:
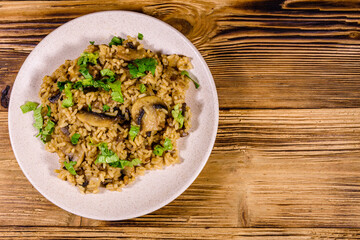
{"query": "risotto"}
[(113, 113)]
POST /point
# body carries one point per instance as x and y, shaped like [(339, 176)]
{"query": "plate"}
[(156, 188)]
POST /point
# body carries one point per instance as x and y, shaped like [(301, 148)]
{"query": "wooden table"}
[(286, 162)]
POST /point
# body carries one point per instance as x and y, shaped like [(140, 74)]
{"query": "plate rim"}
[(188, 181)]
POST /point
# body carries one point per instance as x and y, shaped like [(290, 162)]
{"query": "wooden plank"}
[(280, 168), (176, 233), (286, 54)]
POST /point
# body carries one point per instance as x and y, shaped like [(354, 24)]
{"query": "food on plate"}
[(113, 113)]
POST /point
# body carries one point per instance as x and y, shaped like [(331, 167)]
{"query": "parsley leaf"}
[(38, 118), (28, 106), (47, 131), (167, 144), (86, 58), (49, 111), (177, 115), (68, 102), (134, 130), (140, 36), (70, 167), (85, 73), (124, 163), (116, 41), (106, 155), (116, 94), (159, 150), (187, 75), (142, 88), (107, 72), (106, 108), (89, 108), (61, 85), (92, 42), (75, 138), (140, 66)]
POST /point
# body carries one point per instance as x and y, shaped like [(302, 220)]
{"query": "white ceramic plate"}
[(156, 188)]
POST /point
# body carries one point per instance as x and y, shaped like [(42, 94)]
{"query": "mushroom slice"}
[(78, 155), (129, 54), (146, 113), (96, 119)]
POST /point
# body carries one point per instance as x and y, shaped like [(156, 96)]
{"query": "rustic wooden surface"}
[(286, 162)]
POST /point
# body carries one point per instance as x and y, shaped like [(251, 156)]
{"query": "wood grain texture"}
[(286, 161), (263, 54), (283, 168), (175, 233)]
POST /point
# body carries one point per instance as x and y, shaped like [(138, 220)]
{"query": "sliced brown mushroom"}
[(146, 113), (129, 54), (97, 119), (78, 154)]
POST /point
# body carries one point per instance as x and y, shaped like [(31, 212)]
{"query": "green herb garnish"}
[(70, 167), (124, 163), (140, 66), (75, 138), (140, 36), (187, 75), (106, 155), (48, 111), (92, 42), (86, 58), (85, 73), (106, 108), (116, 94), (28, 106), (177, 115), (46, 132), (38, 118), (134, 130), (89, 108), (68, 102), (107, 72), (159, 150), (61, 85), (116, 41), (142, 88)]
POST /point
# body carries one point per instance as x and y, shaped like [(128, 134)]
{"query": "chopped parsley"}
[(107, 72), (86, 58), (159, 150), (70, 167), (68, 102), (48, 111), (116, 94), (187, 75), (177, 115), (75, 138), (134, 130), (85, 73), (140, 36), (116, 41), (28, 106), (140, 66), (106, 108), (106, 155), (46, 132), (92, 42), (89, 108), (38, 118), (61, 85), (142, 88), (124, 163)]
